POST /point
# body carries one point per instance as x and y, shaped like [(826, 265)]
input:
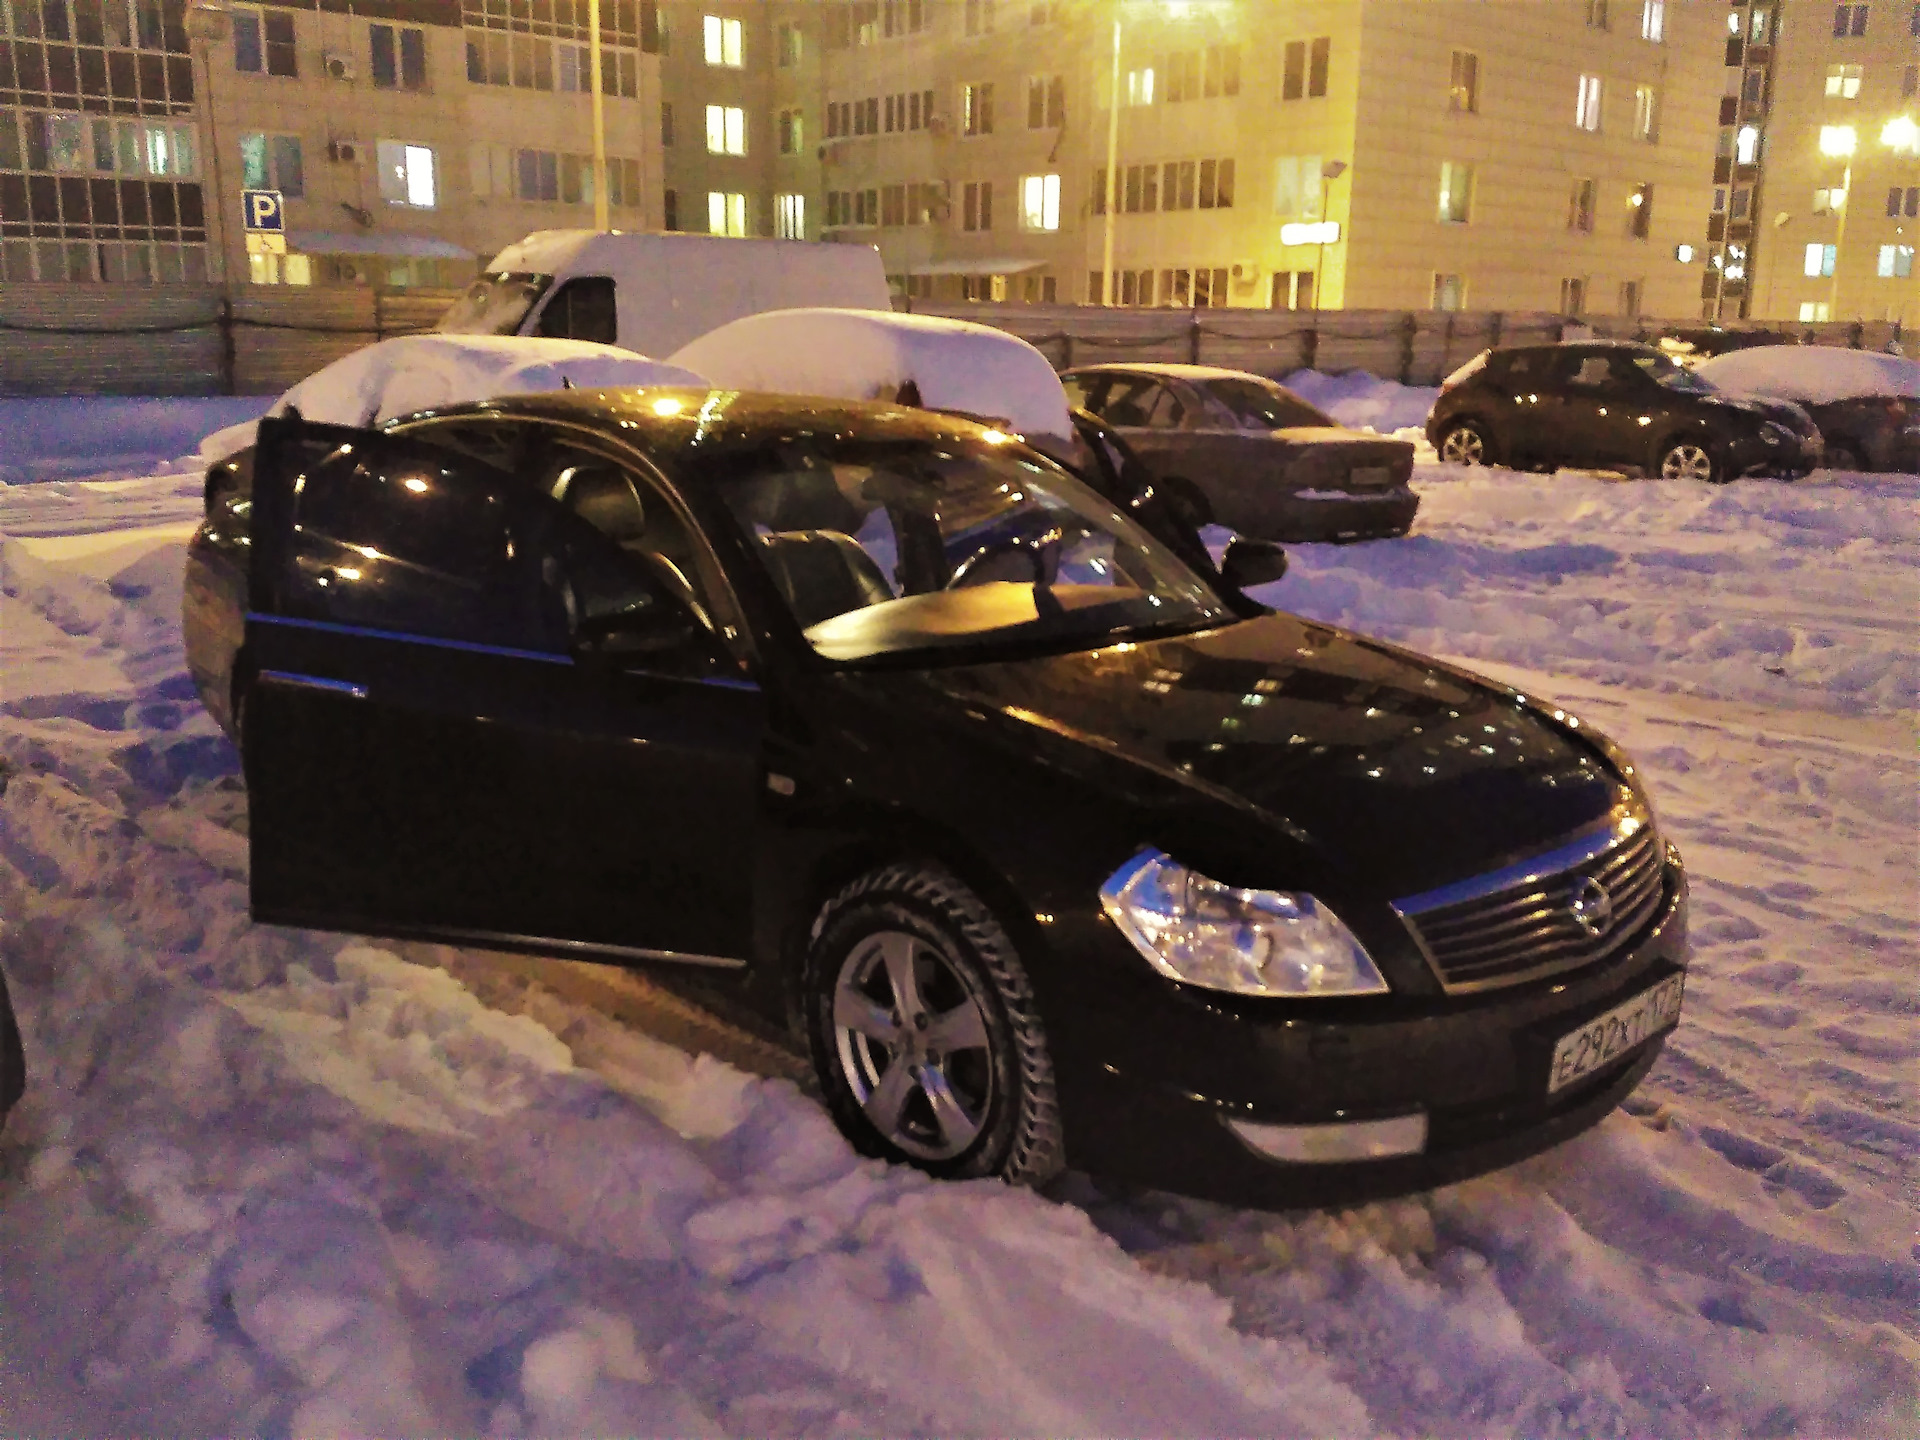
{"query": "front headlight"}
[(1250, 942)]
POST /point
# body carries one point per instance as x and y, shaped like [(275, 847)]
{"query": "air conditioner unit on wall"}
[(339, 65), (343, 152), (1245, 272)]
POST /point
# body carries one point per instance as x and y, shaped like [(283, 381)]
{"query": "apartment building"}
[(408, 139), (1816, 198), (1515, 154)]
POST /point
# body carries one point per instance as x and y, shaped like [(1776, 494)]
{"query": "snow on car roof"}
[(1175, 371), (869, 355), (424, 372), (1814, 374)]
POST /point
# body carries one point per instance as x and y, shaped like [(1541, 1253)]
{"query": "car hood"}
[(1786, 412), (1383, 764)]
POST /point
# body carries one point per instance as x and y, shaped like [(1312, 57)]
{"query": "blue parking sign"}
[(262, 210)]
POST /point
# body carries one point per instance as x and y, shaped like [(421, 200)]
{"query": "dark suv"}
[(1607, 405)]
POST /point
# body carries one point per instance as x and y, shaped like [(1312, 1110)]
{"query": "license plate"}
[(1370, 477), (1607, 1037)]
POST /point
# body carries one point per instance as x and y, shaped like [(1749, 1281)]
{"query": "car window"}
[(1588, 372), (1078, 388), (1664, 371), (582, 309), (890, 546), (1266, 407), (494, 305), (406, 537), (1166, 410), (1128, 401)]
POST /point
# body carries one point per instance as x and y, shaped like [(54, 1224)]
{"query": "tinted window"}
[(1266, 407), (582, 309), (1134, 400), (1593, 372), (409, 538)]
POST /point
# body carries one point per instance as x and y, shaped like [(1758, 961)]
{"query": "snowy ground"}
[(278, 1182)]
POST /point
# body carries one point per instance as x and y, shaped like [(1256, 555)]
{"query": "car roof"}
[(668, 420), (1638, 347), (1169, 370)]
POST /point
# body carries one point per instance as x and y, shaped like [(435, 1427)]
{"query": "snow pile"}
[(273, 1181), (1812, 374), (1775, 593), (868, 355), (1365, 402), (423, 372)]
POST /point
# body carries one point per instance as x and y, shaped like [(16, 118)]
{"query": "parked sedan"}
[(1866, 403), (1242, 451), (1610, 404), (1051, 848)]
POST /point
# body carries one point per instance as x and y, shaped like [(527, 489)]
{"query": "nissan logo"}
[(1591, 907)]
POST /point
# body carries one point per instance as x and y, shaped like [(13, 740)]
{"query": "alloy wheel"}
[(1463, 446), (1686, 462), (913, 1044)]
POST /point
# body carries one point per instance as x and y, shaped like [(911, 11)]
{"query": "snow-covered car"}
[(1867, 404), (13, 1060), (952, 365), (1245, 452), (1051, 848), (1614, 405), (404, 376)]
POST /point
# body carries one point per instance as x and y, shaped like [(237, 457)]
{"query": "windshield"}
[(1266, 407), (494, 305), (887, 547), (1674, 377)]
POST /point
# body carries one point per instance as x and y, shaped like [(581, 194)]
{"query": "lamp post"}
[(600, 221), (1837, 141), (1110, 291), (207, 25), (1329, 172)]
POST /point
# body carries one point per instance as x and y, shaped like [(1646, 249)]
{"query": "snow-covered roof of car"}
[(423, 372), (1813, 374), (870, 355)]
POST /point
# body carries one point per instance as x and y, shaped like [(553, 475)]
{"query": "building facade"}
[(408, 139), (1816, 198)]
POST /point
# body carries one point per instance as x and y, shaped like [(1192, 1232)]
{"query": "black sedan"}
[(1248, 453), (1052, 848), (1611, 404)]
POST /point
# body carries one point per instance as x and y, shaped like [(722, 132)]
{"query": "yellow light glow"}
[(1902, 133), (368, 551), (667, 406), (995, 437), (416, 484), (346, 573), (1837, 140)]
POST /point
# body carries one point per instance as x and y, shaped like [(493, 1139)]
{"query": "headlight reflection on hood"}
[(1249, 942)]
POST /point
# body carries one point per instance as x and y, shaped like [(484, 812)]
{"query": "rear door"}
[(1592, 415)]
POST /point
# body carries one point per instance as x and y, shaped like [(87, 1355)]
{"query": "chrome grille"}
[(1519, 923)]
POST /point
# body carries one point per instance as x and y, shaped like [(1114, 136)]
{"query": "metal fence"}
[(259, 339), (192, 339)]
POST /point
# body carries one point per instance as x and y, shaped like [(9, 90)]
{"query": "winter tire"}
[(1466, 444), (1187, 500), (924, 1031), (1689, 460)]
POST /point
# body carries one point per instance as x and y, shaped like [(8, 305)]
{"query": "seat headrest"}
[(605, 498)]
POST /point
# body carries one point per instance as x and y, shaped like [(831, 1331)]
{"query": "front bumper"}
[(1156, 1110), (1800, 455)]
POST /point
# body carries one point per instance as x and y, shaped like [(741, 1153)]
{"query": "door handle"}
[(314, 682)]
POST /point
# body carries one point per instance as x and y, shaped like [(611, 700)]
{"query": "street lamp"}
[(600, 221), (208, 24), (1836, 142), (1329, 172)]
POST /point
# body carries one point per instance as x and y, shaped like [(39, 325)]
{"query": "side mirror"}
[(658, 626), (1250, 562)]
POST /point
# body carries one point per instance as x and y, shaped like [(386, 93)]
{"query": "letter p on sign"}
[(262, 211)]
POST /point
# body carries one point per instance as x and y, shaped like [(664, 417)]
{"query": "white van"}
[(654, 292)]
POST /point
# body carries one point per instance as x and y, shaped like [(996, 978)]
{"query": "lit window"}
[(726, 130), (1456, 197), (1811, 310), (790, 216), (1746, 145), (1646, 113), (1586, 108), (1837, 140), (1297, 185), (725, 42), (1449, 292), (976, 109), (726, 213), (406, 174), (1040, 202), (1463, 86), (1820, 259), (1140, 86), (1653, 21), (1896, 262), (1843, 82)]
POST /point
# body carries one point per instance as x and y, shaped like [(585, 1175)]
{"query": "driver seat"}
[(823, 573)]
